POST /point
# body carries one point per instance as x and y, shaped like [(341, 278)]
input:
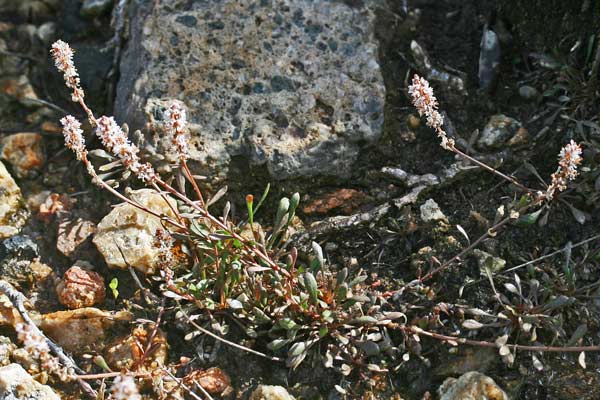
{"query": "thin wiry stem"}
[(453, 339), (227, 342)]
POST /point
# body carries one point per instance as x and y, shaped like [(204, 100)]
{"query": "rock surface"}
[(498, 131), (81, 330), (24, 151), (129, 232), (80, 288), (291, 85), (12, 207), (16, 383), (266, 392), (431, 211), (471, 386)]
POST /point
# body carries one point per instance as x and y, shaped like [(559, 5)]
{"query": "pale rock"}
[(471, 386), (72, 234), (83, 329), (16, 383), (13, 213), (430, 211), (267, 392), (498, 131), (132, 231)]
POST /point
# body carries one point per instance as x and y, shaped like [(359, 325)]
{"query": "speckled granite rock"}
[(293, 85)]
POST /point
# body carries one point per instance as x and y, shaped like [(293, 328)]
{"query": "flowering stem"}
[(490, 169), (192, 181)]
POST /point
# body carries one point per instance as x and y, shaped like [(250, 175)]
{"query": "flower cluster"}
[(176, 121), (115, 140), (568, 160), (163, 241), (426, 104), (63, 59), (35, 344), (124, 388), (73, 136)]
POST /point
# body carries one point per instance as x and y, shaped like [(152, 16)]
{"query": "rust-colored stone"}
[(342, 200), (80, 288)]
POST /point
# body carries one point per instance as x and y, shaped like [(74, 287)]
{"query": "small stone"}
[(16, 383), (413, 121), (46, 32), (124, 353), (213, 380), (94, 8), (6, 348), (72, 234), (84, 329), (528, 92), (485, 260), (129, 232), (80, 288), (498, 131), (267, 392), (21, 89), (13, 213), (25, 153), (344, 200), (471, 386), (430, 211), (520, 138), (18, 247)]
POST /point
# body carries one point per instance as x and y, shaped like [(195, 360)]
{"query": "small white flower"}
[(73, 135), (569, 158), (115, 140), (63, 59), (176, 126), (426, 104)]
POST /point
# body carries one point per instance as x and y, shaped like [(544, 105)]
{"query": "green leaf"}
[(287, 323), (311, 285), (323, 331), (113, 285), (284, 206), (262, 198), (529, 219), (277, 344)]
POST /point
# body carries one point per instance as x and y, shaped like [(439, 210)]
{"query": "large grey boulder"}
[(294, 85)]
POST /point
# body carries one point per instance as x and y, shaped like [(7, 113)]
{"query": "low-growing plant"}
[(251, 275)]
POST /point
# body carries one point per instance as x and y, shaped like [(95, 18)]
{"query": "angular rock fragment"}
[(129, 232)]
